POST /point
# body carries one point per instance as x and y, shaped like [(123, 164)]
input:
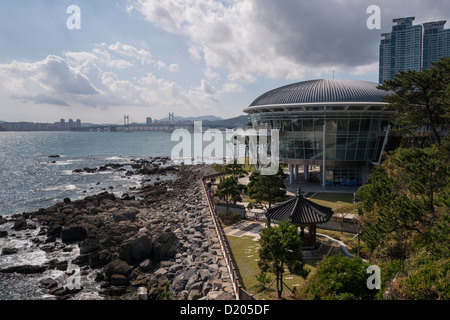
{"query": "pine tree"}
[(421, 98), (266, 188), (281, 247), (228, 190)]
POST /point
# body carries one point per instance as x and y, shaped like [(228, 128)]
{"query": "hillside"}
[(228, 123)]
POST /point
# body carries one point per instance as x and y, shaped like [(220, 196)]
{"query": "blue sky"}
[(146, 58)]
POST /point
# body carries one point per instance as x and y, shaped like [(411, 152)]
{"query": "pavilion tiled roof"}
[(300, 210)]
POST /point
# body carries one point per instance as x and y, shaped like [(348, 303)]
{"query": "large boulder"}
[(99, 258), (20, 224), (89, 245), (73, 233), (9, 251), (141, 247), (119, 280), (136, 248), (164, 246), (117, 267), (181, 279), (25, 269), (128, 214)]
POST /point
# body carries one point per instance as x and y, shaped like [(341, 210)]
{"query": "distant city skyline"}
[(148, 58)]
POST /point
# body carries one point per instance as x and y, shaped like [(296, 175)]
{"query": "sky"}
[(146, 58)]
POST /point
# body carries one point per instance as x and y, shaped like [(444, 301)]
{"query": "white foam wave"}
[(116, 158)]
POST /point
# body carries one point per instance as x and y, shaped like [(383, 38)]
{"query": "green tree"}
[(338, 278), (266, 188), (281, 247), (228, 190), (235, 169), (421, 98), (404, 203)]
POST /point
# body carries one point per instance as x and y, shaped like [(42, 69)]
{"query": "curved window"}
[(349, 136)]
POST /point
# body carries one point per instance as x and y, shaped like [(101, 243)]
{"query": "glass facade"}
[(354, 137), (345, 177), (337, 124), (350, 136)]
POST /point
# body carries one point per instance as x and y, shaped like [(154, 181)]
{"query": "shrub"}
[(427, 282), (228, 217), (338, 278)]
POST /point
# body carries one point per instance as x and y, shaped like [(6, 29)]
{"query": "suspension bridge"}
[(128, 124)]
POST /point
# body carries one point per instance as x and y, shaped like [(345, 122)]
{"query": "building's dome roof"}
[(322, 91)]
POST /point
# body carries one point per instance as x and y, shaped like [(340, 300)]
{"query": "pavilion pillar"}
[(291, 173), (312, 235)]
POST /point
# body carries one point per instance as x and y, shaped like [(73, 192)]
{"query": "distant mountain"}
[(2, 121), (200, 118), (207, 121), (228, 123)]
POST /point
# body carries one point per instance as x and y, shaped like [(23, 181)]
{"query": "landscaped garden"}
[(245, 252)]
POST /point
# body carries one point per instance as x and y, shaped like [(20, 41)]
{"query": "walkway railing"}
[(240, 292)]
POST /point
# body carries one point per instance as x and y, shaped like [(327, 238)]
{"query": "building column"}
[(291, 173), (296, 173), (305, 170)]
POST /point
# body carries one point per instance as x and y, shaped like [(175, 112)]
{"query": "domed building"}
[(340, 125)]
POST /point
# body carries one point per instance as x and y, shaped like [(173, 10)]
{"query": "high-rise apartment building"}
[(401, 50), (436, 42), (412, 47), (385, 58)]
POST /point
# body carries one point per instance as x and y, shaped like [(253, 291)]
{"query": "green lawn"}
[(333, 200), (245, 254)]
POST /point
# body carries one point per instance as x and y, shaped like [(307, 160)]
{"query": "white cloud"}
[(118, 56), (289, 40), (48, 80), (42, 99), (174, 68), (241, 77), (90, 79), (125, 50), (231, 87), (365, 69), (234, 36)]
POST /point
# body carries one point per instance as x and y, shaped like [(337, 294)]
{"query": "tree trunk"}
[(432, 123), (279, 286)]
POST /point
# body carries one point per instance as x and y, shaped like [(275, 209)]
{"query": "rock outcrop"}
[(163, 242)]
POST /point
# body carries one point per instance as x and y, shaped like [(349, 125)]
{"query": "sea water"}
[(31, 179)]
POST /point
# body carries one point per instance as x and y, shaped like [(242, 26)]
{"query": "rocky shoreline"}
[(157, 242)]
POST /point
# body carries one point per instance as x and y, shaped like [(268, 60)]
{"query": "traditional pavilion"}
[(301, 212)]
